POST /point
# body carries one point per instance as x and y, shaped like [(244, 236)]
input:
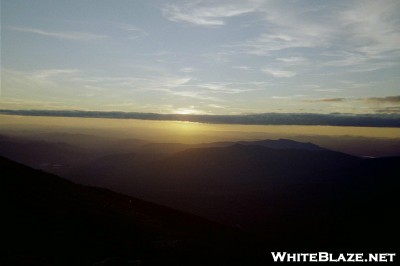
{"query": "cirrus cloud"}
[(276, 73), (213, 15), (66, 35)]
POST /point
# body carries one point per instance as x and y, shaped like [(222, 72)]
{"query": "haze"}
[(361, 141)]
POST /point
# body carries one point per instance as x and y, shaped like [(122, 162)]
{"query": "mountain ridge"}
[(52, 221)]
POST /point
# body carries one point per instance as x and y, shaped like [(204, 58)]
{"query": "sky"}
[(201, 57)]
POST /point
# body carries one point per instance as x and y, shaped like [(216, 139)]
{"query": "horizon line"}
[(272, 118)]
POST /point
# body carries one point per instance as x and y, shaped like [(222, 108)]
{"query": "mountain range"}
[(276, 193)]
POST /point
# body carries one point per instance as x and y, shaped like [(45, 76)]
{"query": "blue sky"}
[(208, 57)]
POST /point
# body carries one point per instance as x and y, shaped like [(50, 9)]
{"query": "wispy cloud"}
[(226, 87), (21, 103), (268, 43), (188, 69), (207, 15), (195, 94), (276, 73), (328, 100), (388, 99), (133, 31), (389, 110), (241, 67), (358, 62), (292, 61), (49, 73), (66, 35), (373, 26), (140, 83), (206, 91), (38, 78), (286, 28), (362, 36), (288, 97), (330, 90), (383, 100)]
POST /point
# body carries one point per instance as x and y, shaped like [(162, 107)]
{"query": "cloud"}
[(226, 87), (279, 73), (133, 31), (195, 94), (142, 83), (373, 26), (217, 106), (39, 79), (207, 16), (191, 110), (389, 110), (281, 97), (174, 81), (369, 66), (241, 67), (355, 36), (126, 104), (207, 91), (211, 91), (383, 100), (12, 103), (294, 27), (188, 114), (290, 97), (49, 73), (388, 99), (333, 100), (370, 33), (188, 69), (265, 44), (358, 62), (327, 90), (293, 60), (76, 36)]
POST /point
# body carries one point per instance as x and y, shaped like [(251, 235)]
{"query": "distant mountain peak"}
[(284, 144)]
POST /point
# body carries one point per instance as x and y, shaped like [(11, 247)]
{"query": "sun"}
[(187, 111)]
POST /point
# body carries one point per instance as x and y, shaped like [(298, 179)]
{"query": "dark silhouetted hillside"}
[(51, 221), (288, 194), (235, 168), (292, 197), (55, 157)]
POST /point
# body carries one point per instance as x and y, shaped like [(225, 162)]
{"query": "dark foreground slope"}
[(292, 198), (51, 221), (304, 200)]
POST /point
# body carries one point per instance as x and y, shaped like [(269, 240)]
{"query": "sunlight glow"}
[(179, 131), (187, 111)]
